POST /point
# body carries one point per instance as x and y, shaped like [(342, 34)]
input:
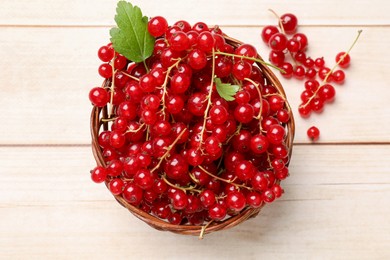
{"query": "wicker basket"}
[(98, 125)]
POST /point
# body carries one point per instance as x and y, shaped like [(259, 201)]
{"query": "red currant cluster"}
[(196, 133), (302, 67)]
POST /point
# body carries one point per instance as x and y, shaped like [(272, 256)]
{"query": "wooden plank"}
[(335, 207), (101, 12), (50, 74)]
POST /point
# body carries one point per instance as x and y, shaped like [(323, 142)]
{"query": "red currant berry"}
[(235, 201), (259, 144), (217, 212), (327, 93), (289, 23), (319, 62), (338, 76), (244, 113), (116, 186), (132, 194), (278, 42), (254, 199), (242, 69), (275, 134), (179, 41), (205, 41), (99, 174), (269, 196), (268, 32), (302, 39), (276, 58), (106, 53), (179, 200), (157, 26), (313, 133), (343, 59), (98, 96), (105, 70), (197, 59)]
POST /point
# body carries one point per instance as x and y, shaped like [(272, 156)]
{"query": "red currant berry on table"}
[(268, 32), (343, 59), (313, 133), (289, 23), (278, 42)]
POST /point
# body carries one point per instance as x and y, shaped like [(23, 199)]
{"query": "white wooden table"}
[(337, 200)]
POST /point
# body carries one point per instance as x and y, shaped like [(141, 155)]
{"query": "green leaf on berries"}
[(226, 90), (131, 38)]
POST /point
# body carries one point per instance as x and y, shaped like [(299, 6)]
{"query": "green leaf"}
[(131, 38), (226, 90)]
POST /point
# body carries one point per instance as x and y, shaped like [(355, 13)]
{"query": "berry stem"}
[(209, 102), (184, 189), (260, 98), (224, 180), (128, 75), (342, 58), (164, 85), (331, 71), (169, 148), (283, 31), (135, 131), (204, 229), (249, 58), (112, 87), (279, 20)]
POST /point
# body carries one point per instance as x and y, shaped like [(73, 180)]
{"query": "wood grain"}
[(226, 12), (49, 208), (336, 204), (54, 74)]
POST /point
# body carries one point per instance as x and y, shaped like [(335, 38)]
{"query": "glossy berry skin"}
[(244, 170), (99, 174), (218, 114), (254, 199), (235, 201), (244, 113), (105, 70), (342, 60), (289, 23), (179, 41), (116, 186), (132, 194), (275, 134), (197, 59), (106, 53), (259, 181), (179, 200), (276, 57), (278, 42), (259, 144), (205, 41), (313, 133), (242, 69), (207, 198), (268, 32), (302, 39), (217, 212), (157, 26), (99, 96)]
